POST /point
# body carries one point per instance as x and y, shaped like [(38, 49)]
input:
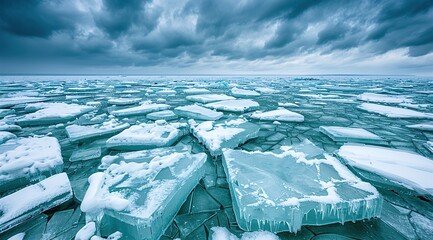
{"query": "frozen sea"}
[(216, 157)]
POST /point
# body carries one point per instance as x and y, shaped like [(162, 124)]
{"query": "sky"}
[(216, 37)]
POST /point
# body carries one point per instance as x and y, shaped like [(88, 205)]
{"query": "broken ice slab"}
[(33, 228), (390, 167), (238, 105), (80, 133), (140, 199), (239, 92), (218, 135), (208, 98), (34, 199), (123, 101), (147, 135), (85, 154), (394, 112), (5, 136), (162, 115), (8, 125), (427, 126), (198, 112), (383, 98), (348, 134), (429, 146), (142, 156), (6, 112), (283, 191), (287, 104), (12, 101), (140, 110), (282, 115), (52, 113), (27, 160), (196, 91)]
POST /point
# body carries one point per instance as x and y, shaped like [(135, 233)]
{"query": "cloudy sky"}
[(217, 37)]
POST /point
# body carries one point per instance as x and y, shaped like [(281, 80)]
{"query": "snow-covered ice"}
[(80, 133), (52, 113), (140, 110), (25, 160), (198, 112), (238, 105), (281, 114), (239, 92), (39, 197), (147, 135), (349, 134), (407, 169), (218, 135), (383, 98), (208, 98), (394, 112), (5, 136)]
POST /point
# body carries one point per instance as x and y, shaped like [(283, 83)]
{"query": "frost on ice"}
[(285, 190)]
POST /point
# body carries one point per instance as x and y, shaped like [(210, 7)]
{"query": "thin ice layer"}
[(238, 105), (198, 112), (28, 160), (208, 98), (281, 114), (283, 191), (32, 200), (140, 199), (140, 110), (383, 98), (347, 134), (52, 113), (147, 135), (406, 169), (228, 134), (80, 133), (394, 112)]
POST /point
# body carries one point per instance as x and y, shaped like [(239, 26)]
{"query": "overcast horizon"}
[(216, 37)]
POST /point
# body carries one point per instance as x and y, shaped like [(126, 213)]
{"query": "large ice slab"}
[(239, 92), (395, 167), (348, 134), (140, 199), (283, 191), (238, 105), (228, 134), (281, 114), (80, 133), (11, 101), (208, 98), (123, 101), (28, 160), (162, 115), (141, 110), (52, 113), (198, 112), (147, 135), (383, 98), (394, 112), (196, 91), (32, 200)]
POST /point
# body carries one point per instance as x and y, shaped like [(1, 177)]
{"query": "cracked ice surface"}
[(283, 191)]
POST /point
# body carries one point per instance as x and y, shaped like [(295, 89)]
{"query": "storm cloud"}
[(275, 36)]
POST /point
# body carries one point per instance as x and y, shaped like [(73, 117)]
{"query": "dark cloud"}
[(185, 32)]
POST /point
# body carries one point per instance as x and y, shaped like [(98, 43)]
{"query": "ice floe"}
[(80, 133), (281, 114), (239, 92), (383, 98), (140, 110), (198, 112), (394, 112), (348, 134), (237, 105), (208, 98)]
